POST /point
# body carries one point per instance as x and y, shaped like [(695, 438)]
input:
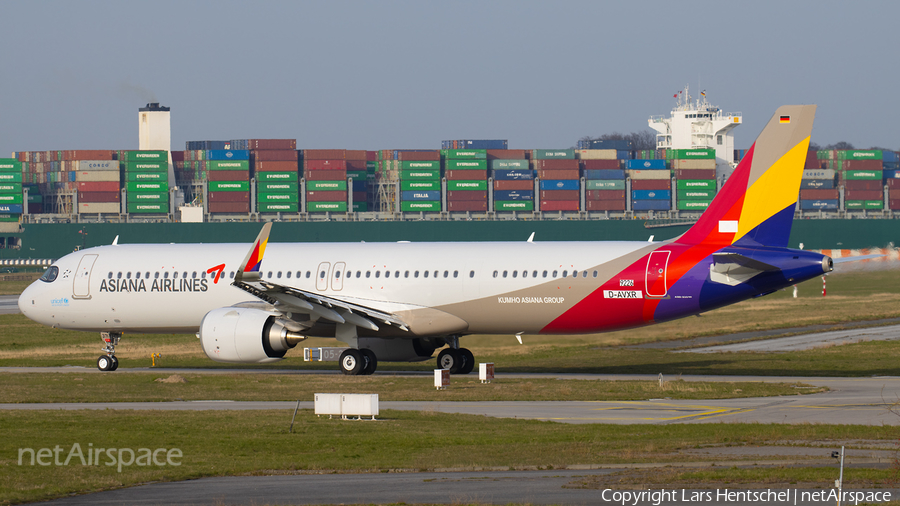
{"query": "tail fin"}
[(756, 205)]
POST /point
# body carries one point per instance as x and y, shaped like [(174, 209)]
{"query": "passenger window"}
[(446, 274), (202, 274), (137, 275), (455, 274), (128, 275), (495, 274), (396, 274), (279, 275), (337, 274), (504, 273), (299, 274), (119, 275), (595, 274), (416, 274), (524, 274), (194, 275), (377, 274), (110, 275), (435, 273), (471, 274), (425, 273), (584, 274), (565, 274), (156, 275), (545, 274), (554, 274), (288, 274), (406, 274), (175, 275), (231, 274), (387, 274), (166, 275), (322, 275), (515, 273), (184, 274), (368, 273), (358, 274), (534, 274)]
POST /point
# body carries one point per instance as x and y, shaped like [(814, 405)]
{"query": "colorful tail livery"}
[(250, 266), (736, 250)]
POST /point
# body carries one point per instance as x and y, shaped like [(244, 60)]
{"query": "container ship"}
[(52, 202)]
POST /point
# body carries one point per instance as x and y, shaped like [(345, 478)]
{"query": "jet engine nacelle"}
[(246, 336), (399, 350)]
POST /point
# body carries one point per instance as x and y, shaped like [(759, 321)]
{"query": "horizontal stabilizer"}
[(733, 268)]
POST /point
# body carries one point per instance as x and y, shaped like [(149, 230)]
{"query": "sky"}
[(408, 74)]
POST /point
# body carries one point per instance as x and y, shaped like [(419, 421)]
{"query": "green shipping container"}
[(605, 184), (553, 154), (696, 184), (9, 217), (229, 186), (12, 177), (874, 204), (420, 175), (696, 194), (693, 205), (228, 165), (277, 197), (275, 207), (147, 197), (510, 164), (691, 154), (861, 154), (420, 165), (11, 198), (466, 165), (326, 185), (514, 205), (35, 198), (357, 174), (146, 167), (428, 206), (286, 187), (470, 154), (277, 176), (147, 156), (466, 185), (147, 186), (10, 165), (419, 185), (11, 188), (862, 174), (146, 176), (148, 207), (321, 207), (371, 167)]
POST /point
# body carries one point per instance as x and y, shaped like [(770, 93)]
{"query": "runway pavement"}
[(807, 341), (9, 304)]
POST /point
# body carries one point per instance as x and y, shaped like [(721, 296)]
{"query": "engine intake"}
[(247, 336)]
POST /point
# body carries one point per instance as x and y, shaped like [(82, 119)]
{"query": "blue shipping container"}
[(512, 174), (604, 174), (11, 208), (817, 205), (360, 185), (891, 174), (560, 184), (645, 164), (815, 184), (618, 145), (651, 194), (890, 156), (513, 194), (624, 155), (227, 154), (650, 205), (421, 195)]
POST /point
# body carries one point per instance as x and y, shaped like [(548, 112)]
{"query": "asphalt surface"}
[(808, 341), (9, 304)]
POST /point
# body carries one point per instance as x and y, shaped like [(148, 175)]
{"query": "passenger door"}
[(337, 278), (655, 278), (81, 288), (322, 275)]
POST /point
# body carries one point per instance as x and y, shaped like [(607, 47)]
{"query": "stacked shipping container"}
[(559, 174), (695, 177), (11, 197), (604, 180), (466, 174), (275, 164), (325, 171), (513, 180), (146, 181), (420, 180)]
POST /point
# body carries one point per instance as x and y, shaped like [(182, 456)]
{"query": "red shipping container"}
[(556, 164), (35, 208), (506, 154), (466, 175), (177, 156), (559, 205), (257, 144), (695, 173), (98, 186), (466, 195), (356, 165), (466, 205), (326, 175), (894, 194), (324, 154), (863, 195), (359, 196), (605, 205), (812, 161), (862, 184), (559, 174), (419, 156), (560, 195), (893, 183), (228, 207), (651, 184), (605, 195), (275, 166), (519, 184), (322, 164), (274, 155), (601, 164), (819, 194), (98, 196), (327, 196), (371, 156), (229, 197), (894, 204), (88, 154), (875, 165), (228, 175), (355, 154)]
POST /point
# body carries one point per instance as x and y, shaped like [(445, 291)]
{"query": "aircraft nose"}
[(26, 300)]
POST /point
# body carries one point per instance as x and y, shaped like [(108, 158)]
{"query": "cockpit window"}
[(51, 274)]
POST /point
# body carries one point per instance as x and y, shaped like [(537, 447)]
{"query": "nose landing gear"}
[(109, 362)]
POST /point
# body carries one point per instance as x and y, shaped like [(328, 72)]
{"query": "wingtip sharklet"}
[(249, 268)]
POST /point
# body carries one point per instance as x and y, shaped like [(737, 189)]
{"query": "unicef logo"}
[(647, 165), (560, 184)]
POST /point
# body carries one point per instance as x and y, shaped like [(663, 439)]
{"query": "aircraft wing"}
[(249, 279)]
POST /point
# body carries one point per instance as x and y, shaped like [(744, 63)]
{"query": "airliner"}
[(404, 301)]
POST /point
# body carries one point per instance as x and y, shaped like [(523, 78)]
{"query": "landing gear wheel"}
[(104, 363), (450, 360), (352, 362), (115, 363), (468, 361), (371, 361)]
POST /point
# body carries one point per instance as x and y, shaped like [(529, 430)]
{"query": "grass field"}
[(220, 443)]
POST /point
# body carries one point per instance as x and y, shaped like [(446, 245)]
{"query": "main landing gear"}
[(358, 362), (109, 362)]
